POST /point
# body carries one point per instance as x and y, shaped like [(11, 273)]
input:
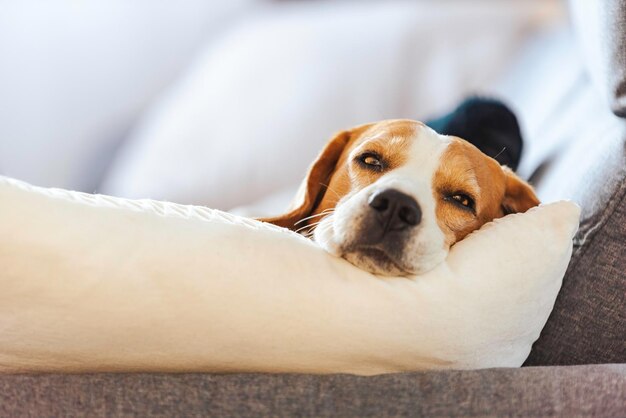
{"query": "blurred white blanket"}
[(256, 107)]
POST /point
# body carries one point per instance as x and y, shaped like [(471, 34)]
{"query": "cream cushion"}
[(94, 283)]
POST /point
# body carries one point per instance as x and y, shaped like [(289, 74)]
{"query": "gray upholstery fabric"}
[(616, 24), (585, 160), (588, 323), (549, 391)]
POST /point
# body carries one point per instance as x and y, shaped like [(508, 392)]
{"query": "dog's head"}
[(392, 197)]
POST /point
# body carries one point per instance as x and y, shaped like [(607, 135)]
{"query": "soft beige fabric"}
[(93, 283)]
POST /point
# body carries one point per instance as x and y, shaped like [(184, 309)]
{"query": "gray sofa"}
[(576, 368), (533, 391)]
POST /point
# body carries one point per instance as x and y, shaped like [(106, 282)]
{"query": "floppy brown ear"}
[(519, 196), (313, 187)]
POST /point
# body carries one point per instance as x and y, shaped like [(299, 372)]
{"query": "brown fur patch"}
[(466, 170)]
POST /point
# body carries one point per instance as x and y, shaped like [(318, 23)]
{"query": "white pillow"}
[(93, 283)]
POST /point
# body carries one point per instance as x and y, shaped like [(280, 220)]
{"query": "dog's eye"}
[(462, 200), (371, 160)]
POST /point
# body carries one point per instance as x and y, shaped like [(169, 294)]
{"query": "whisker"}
[(297, 231), (307, 218), (310, 227), (498, 154), (313, 225), (311, 233), (329, 188), (322, 228), (322, 213)]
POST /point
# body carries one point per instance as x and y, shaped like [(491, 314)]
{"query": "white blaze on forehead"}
[(426, 150), (415, 176)]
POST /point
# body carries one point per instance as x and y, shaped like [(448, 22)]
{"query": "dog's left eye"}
[(371, 160), (462, 200)]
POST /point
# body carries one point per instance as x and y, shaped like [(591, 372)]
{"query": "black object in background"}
[(488, 124)]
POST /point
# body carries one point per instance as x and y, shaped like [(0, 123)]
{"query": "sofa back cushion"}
[(584, 159), (601, 29)]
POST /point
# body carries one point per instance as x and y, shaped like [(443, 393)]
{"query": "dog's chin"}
[(376, 258), (377, 261)]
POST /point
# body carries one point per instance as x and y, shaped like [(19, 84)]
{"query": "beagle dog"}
[(392, 197)]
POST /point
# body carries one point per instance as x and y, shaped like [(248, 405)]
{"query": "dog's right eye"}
[(371, 161)]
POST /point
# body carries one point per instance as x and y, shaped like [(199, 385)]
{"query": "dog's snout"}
[(395, 210)]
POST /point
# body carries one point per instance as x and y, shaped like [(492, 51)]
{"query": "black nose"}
[(395, 210)]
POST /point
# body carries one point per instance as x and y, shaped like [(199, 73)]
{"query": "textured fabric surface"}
[(549, 391), (616, 27), (588, 323), (581, 156)]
